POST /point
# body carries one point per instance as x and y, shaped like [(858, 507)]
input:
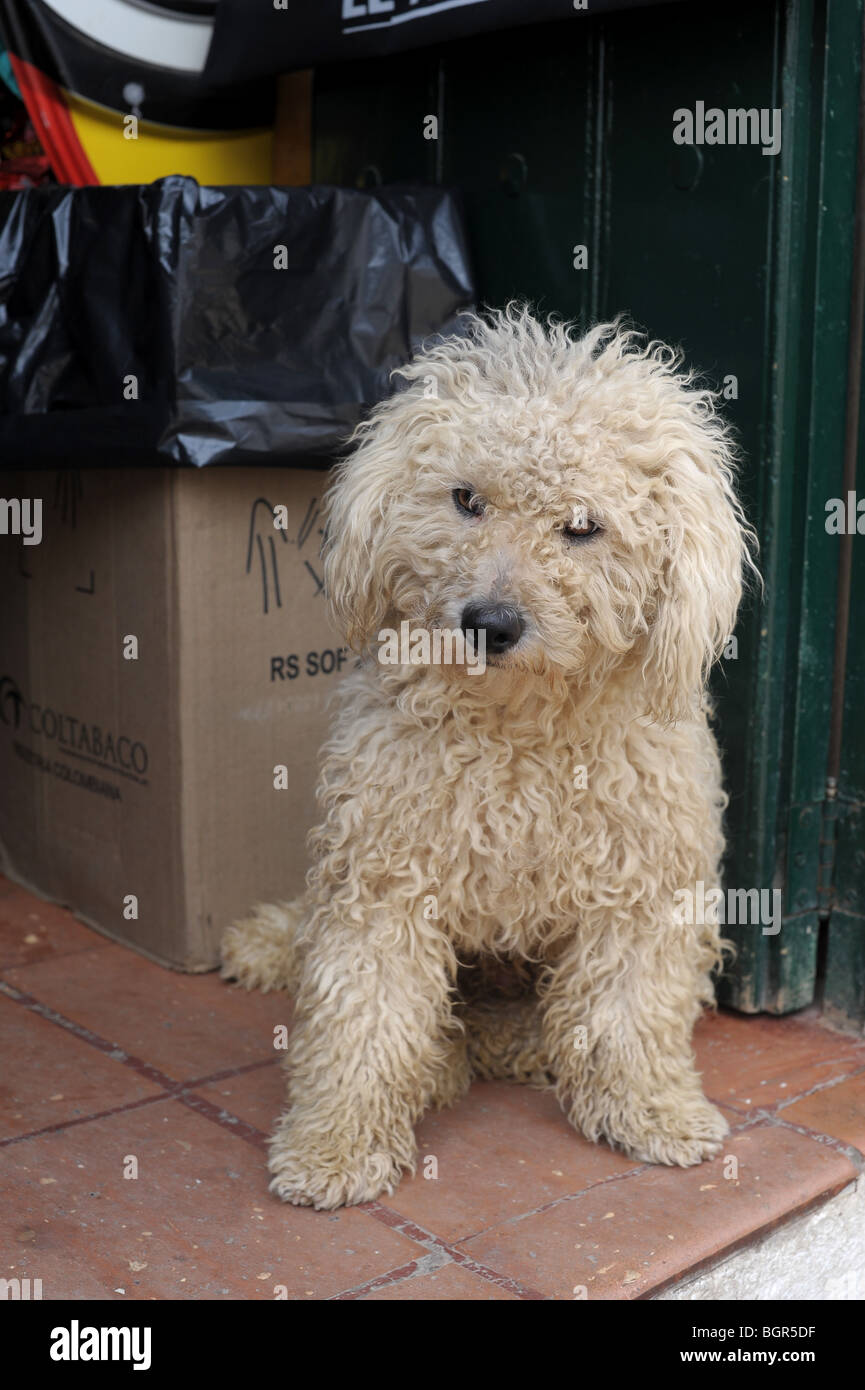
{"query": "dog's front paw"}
[(329, 1179), (681, 1134)]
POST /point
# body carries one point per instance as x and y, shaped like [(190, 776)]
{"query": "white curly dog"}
[(500, 851)]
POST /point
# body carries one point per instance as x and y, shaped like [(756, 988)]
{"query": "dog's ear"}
[(356, 511), (708, 545)]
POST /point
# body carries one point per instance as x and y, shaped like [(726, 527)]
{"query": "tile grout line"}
[(436, 1244), (77, 1120), (560, 1201), (170, 1087), (114, 1050), (818, 1088), (849, 1151), (404, 1274), (777, 1107), (223, 1118), (86, 1035), (742, 1109), (184, 1091), (728, 1105), (231, 1072)]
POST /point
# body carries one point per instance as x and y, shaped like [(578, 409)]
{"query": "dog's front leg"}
[(374, 1045), (618, 1017)]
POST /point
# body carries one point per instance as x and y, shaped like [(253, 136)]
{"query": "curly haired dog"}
[(494, 875)]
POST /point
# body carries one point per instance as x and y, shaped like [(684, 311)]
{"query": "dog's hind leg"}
[(263, 951), (455, 1074), (504, 1041)]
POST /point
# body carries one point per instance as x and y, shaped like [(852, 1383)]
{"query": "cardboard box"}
[(162, 650)]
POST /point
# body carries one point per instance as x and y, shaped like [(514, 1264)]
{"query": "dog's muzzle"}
[(503, 625)]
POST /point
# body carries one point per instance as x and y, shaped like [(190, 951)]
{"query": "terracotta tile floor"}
[(134, 1104)]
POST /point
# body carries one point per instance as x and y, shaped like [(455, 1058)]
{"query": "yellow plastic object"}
[(212, 156)]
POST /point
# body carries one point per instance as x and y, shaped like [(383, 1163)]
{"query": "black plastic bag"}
[(173, 324)]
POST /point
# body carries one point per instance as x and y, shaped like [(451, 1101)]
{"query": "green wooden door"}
[(559, 136)]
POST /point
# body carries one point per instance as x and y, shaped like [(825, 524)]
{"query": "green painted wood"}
[(791, 964), (827, 87), (802, 858), (850, 861), (844, 998), (844, 988), (521, 142), (369, 121)]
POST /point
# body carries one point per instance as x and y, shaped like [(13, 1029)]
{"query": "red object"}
[(24, 173), (23, 162), (53, 125)]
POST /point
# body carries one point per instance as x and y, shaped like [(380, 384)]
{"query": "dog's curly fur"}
[(471, 911)]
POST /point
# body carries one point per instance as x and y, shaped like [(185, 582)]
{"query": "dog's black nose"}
[(502, 625)]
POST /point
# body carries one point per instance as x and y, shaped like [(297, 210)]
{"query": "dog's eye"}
[(582, 531), (466, 501)]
